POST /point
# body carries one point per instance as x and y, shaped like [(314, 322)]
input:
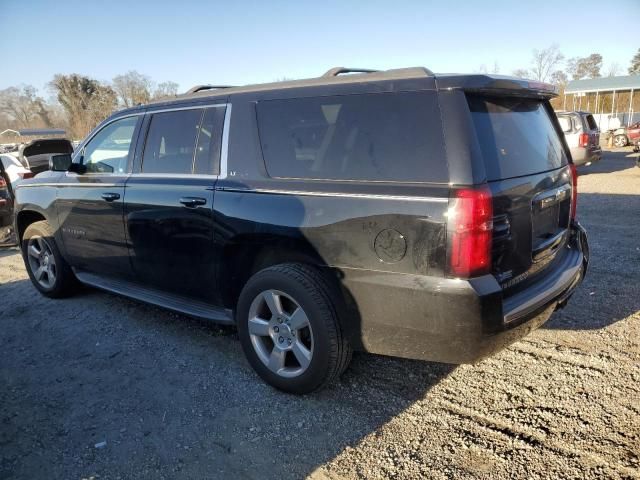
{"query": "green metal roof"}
[(604, 84)]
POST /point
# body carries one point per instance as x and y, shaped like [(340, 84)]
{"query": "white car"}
[(13, 169)]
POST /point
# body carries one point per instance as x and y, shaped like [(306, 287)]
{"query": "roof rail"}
[(334, 72), (200, 88)]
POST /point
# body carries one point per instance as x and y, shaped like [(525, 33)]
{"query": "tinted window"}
[(207, 159), (108, 151), (392, 137), (516, 135), (171, 142), (591, 122)]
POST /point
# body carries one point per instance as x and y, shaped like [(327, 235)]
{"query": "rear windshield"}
[(394, 137), (516, 136)]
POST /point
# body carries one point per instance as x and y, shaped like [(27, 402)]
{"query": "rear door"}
[(168, 210), (527, 169)]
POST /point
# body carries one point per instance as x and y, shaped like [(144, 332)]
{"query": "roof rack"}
[(334, 72), (200, 88)]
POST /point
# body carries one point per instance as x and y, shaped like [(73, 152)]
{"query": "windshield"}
[(516, 135)]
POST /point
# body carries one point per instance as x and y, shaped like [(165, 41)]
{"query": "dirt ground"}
[(173, 397)]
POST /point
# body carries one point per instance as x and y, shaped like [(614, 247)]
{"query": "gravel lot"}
[(173, 397)]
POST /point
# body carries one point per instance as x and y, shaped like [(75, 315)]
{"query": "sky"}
[(239, 42)]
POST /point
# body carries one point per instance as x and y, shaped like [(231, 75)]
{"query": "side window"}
[(565, 123), (207, 160), (108, 151), (384, 137), (171, 142)]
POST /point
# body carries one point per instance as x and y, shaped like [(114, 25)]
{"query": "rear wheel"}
[(49, 272), (289, 328), (620, 141)]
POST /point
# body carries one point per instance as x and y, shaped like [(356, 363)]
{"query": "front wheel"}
[(49, 272), (289, 328), (620, 141)]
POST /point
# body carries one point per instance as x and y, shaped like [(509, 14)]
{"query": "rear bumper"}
[(582, 156), (450, 320)]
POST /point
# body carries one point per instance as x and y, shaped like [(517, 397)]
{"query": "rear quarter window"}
[(393, 137), (516, 136)]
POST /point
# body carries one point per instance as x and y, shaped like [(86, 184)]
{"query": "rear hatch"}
[(530, 181), (37, 152)]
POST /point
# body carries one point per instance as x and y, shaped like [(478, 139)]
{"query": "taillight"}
[(470, 226), (24, 175), (584, 140), (3, 183), (574, 190)]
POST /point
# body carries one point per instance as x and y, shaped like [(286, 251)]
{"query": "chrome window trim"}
[(335, 194), (224, 150), (202, 106), (173, 175)]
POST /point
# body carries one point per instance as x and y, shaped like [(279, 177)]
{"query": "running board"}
[(170, 301)]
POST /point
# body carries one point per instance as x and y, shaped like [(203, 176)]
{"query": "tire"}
[(48, 271), (620, 141), (272, 310)]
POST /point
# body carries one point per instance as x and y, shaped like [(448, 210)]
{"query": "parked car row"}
[(582, 136)]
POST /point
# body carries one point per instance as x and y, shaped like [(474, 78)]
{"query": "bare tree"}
[(165, 90), (614, 69), (559, 78), (85, 100), (545, 62), (585, 67), (634, 69), (521, 73), (132, 88), (24, 106)]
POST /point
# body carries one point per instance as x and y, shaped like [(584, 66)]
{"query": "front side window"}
[(171, 142), (108, 151), (393, 137)]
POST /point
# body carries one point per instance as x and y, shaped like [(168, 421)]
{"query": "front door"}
[(169, 202), (90, 204)]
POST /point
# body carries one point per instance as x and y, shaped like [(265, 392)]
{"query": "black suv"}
[(397, 212)]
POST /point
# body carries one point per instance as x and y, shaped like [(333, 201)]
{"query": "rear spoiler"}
[(497, 85)]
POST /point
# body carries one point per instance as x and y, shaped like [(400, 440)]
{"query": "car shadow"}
[(612, 161), (610, 289), (7, 251)]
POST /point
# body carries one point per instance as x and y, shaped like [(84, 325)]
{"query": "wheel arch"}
[(248, 254), (26, 217)]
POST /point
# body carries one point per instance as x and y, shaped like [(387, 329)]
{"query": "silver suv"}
[(582, 135)]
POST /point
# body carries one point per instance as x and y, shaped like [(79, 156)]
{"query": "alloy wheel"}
[(280, 333), (42, 261)]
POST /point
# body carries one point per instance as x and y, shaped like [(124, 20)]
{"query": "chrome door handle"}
[(192, 202), (110, 197)]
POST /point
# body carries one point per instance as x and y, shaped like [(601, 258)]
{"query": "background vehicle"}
[(627, 135), (397, 212), (582, 136), (36, 155)]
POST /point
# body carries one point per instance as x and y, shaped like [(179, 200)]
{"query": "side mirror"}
[(60, 163)]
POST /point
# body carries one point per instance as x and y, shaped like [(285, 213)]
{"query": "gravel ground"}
[(173, 397)]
